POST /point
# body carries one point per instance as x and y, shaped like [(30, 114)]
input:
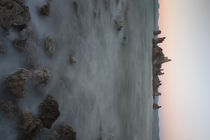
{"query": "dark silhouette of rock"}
[(10, 109), (16, 82), (76, 7), (49, 111), (62, 132), (72, 60), (158, 40), (28, 127), (120, 23), (156, 106), (2, 49), (157, 32), (19, 44), (41, 77), (14, 13), (49, 46), (45, 9)]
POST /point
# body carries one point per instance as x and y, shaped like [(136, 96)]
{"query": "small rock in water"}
[(45, 9), (49, 46), (49, 111), (16, 82), (19, 44), (41, 77), (14, 13), (120, 23), (2, 50), (29, 126), (9, 108), (62, 132), (72, 60)]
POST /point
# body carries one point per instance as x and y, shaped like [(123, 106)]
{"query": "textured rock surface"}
[(29, 127), (41, 77), (45, 9), (19, 44), (62, 132), (49, 46), (16, 82), (10, 109), (14, 13), (49, 111)]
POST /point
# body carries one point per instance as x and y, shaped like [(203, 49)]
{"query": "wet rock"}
[(156, 106), (10, 109), (29, 126), (49, 46), (45, 9), (14, 13), (49, 111), (16, 82), (75, 6), (72, 60), (41, 77), (19, 44), (62, 132), (2, 49), (120, 23)]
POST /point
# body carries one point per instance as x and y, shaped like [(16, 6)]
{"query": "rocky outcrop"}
[(45, 9), (29, 126), (14, 13), (62, 132), (19, 44), (49, 46), (16, 82), (41, 77), (10, 109), (49, 111)]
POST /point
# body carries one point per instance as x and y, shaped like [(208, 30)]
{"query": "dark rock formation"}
[(10, 109), (45, 9), (157, 32), (49, 111), (14, 13), (119, 23), (29, 127), (158, 40), (16, 82), (72, 60), (49, 46), (19, 44), (62, 132), (41, 77), (156, 106)]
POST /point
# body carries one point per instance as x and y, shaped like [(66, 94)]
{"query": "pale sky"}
[(185, 100)]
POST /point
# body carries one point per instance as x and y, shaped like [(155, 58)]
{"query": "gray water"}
[(109, 90)]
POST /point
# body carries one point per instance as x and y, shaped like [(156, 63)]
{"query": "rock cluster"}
[(14, 13), (16, 82), (28, 126), (158, 59), (49, 111), (10, 108), (62, 132)]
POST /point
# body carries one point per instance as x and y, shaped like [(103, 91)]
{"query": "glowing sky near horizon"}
[(185, 113)]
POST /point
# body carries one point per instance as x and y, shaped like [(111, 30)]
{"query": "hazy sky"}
[(186, 84)]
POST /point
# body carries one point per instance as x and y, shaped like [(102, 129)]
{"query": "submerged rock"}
[(29, 127), (72, 60), (49, 111), (14, 13), (9, 108), (49, 46), (19, 44), (16, 82), (45, 9), (41, 77), (62, 132)]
